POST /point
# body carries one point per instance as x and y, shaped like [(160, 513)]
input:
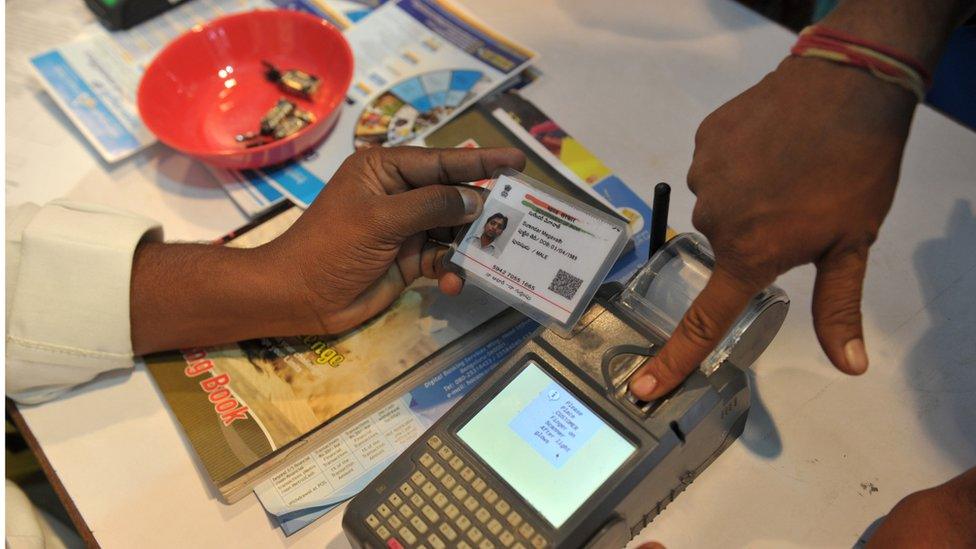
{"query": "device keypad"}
[(490, 496), (436, 542), (462, 522), (514, 519), (448, 481), (418, 478), (451, 511), (430, 513), (482, 515), (407, 535), (418, 524), (437, 469), (440, 509), (448, 532)]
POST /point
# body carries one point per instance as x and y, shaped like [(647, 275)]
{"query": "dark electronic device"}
[(552, 450), (124, 14)]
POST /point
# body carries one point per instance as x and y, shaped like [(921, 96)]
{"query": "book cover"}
[(240, 403)]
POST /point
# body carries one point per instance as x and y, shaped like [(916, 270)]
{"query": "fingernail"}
[(856, 356), (643, 385), (471, 199)]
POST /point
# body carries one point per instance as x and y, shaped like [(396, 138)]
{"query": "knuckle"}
[(365, 156), (443, 175), (915, 503), (368, 161), (846, 314), (438, 200), (840, 305), (705, 128), (700, 327), (695, 174), (749, 252)]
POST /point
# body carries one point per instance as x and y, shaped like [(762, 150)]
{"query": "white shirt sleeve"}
[(68, 268)]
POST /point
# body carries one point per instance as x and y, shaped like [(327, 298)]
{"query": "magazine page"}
[(250, 192), (94, 79), (351, 11), (239, 403), (417, 64)]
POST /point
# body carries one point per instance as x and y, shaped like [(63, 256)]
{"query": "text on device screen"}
[(545, 443)]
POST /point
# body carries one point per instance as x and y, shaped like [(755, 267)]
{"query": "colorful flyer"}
[(539, 251), (94, 79), (418, 63)]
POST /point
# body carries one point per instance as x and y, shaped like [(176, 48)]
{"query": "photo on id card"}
[(538, 250)]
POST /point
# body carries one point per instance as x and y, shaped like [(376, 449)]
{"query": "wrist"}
[(841, 82), (854, 105), (185, 295), (285, 299)]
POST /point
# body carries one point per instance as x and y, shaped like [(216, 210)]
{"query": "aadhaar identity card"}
[(539, 250)]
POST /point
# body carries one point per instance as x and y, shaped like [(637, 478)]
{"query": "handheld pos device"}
[(551, 450)]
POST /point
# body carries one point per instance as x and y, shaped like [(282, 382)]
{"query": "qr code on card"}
[(565, 284)]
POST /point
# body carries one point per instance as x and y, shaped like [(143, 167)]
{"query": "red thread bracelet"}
[(885, 63)]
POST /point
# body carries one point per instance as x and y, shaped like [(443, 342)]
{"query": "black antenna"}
[(659, 216)]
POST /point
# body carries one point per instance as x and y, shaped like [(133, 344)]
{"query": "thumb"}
[(705, 324), (430, 207), (837, 309)]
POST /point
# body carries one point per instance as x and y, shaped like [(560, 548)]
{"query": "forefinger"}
[(704, 325), (407, 167)]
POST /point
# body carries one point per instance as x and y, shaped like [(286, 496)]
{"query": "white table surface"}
[(631, 79)]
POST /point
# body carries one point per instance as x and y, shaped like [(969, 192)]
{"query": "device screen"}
[(545, 443)]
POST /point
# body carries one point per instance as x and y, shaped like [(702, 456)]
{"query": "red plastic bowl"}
[(208, 85)]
